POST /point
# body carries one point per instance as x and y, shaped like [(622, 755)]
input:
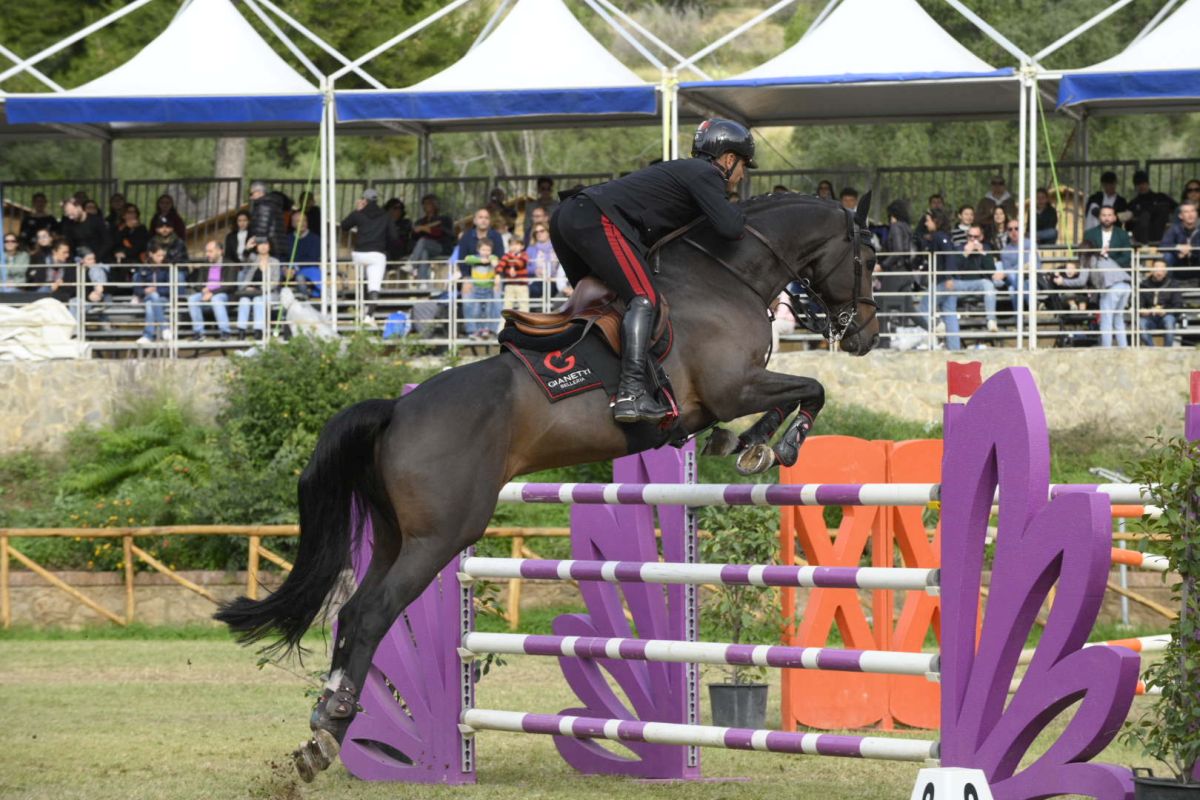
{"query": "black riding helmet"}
[(715, 137)]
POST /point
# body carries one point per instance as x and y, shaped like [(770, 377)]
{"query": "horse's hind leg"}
[(775, 395)]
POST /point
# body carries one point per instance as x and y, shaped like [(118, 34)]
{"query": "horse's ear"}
[(864, 205)]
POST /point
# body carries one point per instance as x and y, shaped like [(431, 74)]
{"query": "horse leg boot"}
[(635, 401)]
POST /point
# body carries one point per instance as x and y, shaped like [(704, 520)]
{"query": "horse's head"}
[(833, 267)]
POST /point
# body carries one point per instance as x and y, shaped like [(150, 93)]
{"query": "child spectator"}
[(132, 238), (514, 271), (484, 286), (543, 263), (152, 287)]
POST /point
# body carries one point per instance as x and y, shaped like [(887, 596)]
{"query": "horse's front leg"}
[(776, 396)]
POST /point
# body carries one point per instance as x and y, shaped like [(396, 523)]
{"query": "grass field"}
[(175, 715)]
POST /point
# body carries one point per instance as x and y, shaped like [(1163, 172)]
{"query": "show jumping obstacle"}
[(419, 717)]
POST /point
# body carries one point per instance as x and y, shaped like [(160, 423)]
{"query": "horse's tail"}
[(339, 487)]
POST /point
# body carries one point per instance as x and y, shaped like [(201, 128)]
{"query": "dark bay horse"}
[(428, 467)]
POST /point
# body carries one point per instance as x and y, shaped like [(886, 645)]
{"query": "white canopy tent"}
[(572, 79), (865, 61), (1159, 72)]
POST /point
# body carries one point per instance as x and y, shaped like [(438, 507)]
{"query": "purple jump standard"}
[(894, 578), (617, 730), (824, 658)]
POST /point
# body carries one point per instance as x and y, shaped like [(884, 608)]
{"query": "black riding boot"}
[(635, 394)]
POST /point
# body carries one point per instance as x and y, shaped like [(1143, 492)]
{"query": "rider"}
[(606, 231)]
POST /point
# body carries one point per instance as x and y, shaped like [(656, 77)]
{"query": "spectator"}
[(935, 240), (1069, 277), (37, 219), (267, 220), (116, 212), (1045, 219), (1109, 270), (893, 304), (14, 263), (481, 229), (825, 190), (373, 227), (238, 246), (783, 321), (212, 284), (995, 228), (1191, 193), (546, 199), (304, 204), (779, 188), (95, 274), (1160, 303), (514, 274), (82, 229), (543, 263), (41, 254), (433, 236), (131, 241), (849, 198), (966, 218), (58, 277), (152, 288), (399, 243), (1107, 196), (165, 207), (1151, 211), (173, 247), (537, 216), (1016, 278), (998, 195), (307, 264), (499, 205), (484, 285), (979, 274), (1181, 245), (263, 267), (936, 201)]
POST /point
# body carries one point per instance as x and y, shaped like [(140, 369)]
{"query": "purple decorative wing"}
[(655, 691), (999, 439), (412, 698)]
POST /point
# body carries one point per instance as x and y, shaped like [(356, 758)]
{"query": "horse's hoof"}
[(325, 748), (757, 458), (306, 764), (722, 442)]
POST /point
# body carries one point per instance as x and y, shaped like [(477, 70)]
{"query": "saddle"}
[(592, 304)]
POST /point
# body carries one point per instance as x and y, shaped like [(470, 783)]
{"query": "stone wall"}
[(42, 401), (1127, 391), (1130, 392)]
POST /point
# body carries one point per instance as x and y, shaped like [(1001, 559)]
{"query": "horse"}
[(427, 468)]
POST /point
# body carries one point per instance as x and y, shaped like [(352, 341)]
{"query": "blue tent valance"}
[(1158, 85), (433, 106), (73, 109)]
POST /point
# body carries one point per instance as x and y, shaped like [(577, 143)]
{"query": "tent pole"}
[(284, 39), (331, 203), (1069, 37), (1030, 204), (674, 115), (1082, 140), (624, 34), (491, 23), (665, 88), (400, 37), (106, 160), (650, 37), (22, 66), (324, 194), (37, 73), (989, 31), (733, 34), (319, 42), (825, 12), (1022, 153), (1153, 23)]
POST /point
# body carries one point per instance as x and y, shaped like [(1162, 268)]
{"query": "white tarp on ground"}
[(566, 74), (39, 331), (1159, 73), (870, 61)]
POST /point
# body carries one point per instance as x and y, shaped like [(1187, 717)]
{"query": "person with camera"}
[(979, 274)]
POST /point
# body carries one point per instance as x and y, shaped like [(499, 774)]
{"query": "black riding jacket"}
[(649, 204)]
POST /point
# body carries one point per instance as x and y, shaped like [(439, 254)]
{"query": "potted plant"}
[(1169, 731), (750, 614)]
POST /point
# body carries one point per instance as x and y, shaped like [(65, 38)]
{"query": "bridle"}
[(815, 316), (809, 309)]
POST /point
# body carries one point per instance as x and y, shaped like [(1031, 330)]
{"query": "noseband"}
[(810, 310)]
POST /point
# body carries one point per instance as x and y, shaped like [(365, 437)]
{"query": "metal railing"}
[(432, 305)]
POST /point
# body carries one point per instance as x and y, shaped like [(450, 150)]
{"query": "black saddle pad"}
[(579, 360)]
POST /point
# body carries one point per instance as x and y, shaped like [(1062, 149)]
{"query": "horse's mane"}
[(762, 202)]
